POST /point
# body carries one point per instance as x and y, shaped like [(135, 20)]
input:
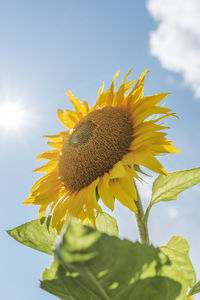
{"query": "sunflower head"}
[(98, 152), (97, 142)]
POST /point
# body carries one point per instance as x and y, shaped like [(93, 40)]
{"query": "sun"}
[(11, 115)]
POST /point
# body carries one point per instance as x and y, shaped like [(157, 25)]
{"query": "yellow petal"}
[(82, 216), (137, 92), (110, 96), (128, 85), (117, 171), (42, 210), (156, 138), (87, 109), (57, 146), (139, 87), (149, 161), (105, 191), (72, 115), (91, 201), (115, 76), (38, 183), (52, 154), (126, 76), (103, 100), (151, 111), (147, 126), (60, 225), (146, 102), (78, 106), (46, 190), (91, 189), (57, 138), (49, 167), (85, 222), (130, 170), (159, 149), (129, 158), (48, 196), (165, 116), (123, 189), (77, 203), (90, 213), (119, 96), (61, 210), (99, 99), (64, 119), (71, 204)]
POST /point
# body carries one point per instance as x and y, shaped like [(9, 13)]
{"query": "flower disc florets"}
[(95, 145)]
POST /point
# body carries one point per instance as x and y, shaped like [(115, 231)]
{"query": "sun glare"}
[(11, 116)]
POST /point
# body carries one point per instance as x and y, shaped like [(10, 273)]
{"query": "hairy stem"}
[(141, 224)]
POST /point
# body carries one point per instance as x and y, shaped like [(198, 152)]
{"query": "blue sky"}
[(48, 47)]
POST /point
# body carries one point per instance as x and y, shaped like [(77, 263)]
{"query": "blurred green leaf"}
[(106, 223), (167, 188), (37, 234), (177, 249), (93, 265), (195, 289)]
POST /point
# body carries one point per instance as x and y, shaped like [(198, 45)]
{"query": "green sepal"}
[(194, 290), (138, 169)]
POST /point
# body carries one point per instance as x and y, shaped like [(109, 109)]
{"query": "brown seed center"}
[(96, 144)]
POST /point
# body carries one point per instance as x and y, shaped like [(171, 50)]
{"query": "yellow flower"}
[(98, 152)]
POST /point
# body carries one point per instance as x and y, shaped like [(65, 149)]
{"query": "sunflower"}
[(100, 152)]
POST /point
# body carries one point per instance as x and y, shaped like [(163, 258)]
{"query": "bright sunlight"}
[(11, 115)]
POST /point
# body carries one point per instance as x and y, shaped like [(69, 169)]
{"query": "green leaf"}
[(39, 234), (107, 224), (93, 265), (36, 234), (177, 249), (167, 188), (195, 289), (65, 284)]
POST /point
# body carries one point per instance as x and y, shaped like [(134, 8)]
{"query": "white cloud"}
[(176, 41)]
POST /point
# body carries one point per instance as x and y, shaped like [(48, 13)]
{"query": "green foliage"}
[(37, 234), (93, 265), (177, 249), (195, 289), (167, 188), (107, 224)]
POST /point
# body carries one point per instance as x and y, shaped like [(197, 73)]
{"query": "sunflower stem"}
[(141, 224)]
